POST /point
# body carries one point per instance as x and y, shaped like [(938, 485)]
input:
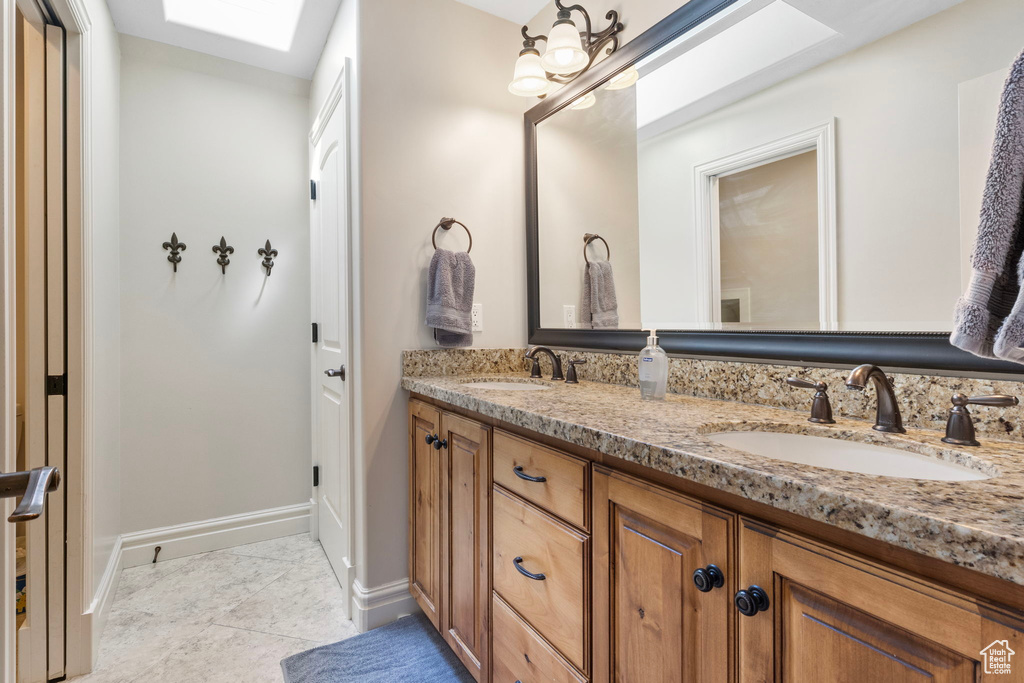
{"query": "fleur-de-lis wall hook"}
[(176, 248), (223, 249), (268, 254)]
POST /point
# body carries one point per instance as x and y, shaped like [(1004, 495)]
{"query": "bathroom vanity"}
[(575, 533)]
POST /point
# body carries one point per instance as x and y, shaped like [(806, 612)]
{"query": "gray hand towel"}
[(989, 317), (451, 281), (600, 308)]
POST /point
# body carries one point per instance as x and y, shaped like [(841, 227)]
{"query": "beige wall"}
[(895, 102), (215, 368), (587, 169), (439, 135)]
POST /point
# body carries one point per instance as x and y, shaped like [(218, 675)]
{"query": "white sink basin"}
[(506, 386), (847, 456)]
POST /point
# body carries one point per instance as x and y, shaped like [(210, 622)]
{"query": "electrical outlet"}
[(478, 317), (569, 316)]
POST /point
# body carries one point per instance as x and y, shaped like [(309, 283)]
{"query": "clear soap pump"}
[(653, 369)]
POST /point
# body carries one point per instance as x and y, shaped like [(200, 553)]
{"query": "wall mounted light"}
[(569, 52), (624, 79), (585, 102)]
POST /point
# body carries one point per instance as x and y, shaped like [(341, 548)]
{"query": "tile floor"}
[(229, 615)]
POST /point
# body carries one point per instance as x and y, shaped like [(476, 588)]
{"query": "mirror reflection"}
[(798, 165)]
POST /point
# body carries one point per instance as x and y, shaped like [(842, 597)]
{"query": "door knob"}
[(751, 601), (32, 486), (708, 578), (340, 373)]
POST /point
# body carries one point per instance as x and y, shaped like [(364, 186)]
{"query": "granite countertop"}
[(975, 524)]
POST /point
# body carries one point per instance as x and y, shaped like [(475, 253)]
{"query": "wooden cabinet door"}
[(834, 617), (650, 622), (425, 509), (465, 549)]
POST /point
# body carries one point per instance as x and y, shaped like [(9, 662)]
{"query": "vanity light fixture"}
[(569, 52), (623, 80), (585, 102)]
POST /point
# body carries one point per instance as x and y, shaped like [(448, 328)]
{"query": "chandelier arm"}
[(527, 36), (586, 17)]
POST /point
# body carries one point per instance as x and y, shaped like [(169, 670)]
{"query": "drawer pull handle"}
[(518, 469), (708, 578), (530, 575), (751, 601)]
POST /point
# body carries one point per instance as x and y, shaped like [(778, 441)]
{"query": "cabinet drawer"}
[(554, 605), (563, 491), (521, 655)]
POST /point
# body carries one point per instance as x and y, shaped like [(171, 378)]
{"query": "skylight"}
[(270, 23)]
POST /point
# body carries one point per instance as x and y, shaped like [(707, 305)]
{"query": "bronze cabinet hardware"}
[(590, 237), (269, 254), (518, 470), (32, 486), (518, 563), (556, 362), (821, 409), (706, 579), (570, 374), (430, 439), (887, 416), (339, 373), (175, 248), (751, 601), (446, 224), (223, 250), (960, 426), (440, 443)]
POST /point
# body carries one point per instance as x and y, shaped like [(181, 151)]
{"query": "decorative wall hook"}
[(223, 249), (176, 248), (268, 255)]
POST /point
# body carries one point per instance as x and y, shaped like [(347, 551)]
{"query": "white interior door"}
[(331, 306)]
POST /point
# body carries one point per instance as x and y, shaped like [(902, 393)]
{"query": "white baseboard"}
[(214, 534), (381, 605), (99, 609)]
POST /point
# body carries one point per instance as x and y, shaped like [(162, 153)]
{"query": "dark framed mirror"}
[(781, 181)]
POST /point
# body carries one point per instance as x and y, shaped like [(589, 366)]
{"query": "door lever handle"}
[(32, 486), (340, 372)]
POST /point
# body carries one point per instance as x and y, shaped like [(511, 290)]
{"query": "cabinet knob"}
[(751, 601), (430, 438), (706, 579), (440, 443)]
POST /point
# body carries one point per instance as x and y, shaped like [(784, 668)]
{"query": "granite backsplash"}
[(924, 399)]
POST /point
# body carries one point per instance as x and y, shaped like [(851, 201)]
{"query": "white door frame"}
[(707, 264), (339, 95), (81, 626)]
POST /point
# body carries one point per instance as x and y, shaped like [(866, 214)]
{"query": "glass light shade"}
[(529, 79), (624, 80), (585, 102), (564, 53)]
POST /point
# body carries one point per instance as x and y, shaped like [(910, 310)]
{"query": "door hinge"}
[(312, 190), (316, 333), (57, 385), (316, 475)]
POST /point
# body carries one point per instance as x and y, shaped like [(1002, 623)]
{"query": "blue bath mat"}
[(409, 650)]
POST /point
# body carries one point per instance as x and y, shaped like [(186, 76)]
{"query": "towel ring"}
[(447, 223), (590, 237)]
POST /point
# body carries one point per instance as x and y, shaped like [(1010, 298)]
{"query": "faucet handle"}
[(821, 409), (960, 426), (570, 374), (535, 369)]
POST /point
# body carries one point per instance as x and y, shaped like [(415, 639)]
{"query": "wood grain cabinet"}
[(449, 528), (537, 565), (832, 616), (651, 622)]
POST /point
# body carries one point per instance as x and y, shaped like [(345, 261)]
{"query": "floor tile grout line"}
[(315, 643)]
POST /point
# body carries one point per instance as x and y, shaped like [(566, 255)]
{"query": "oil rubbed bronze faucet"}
[(556, 362), (960, 426), (887, 417)]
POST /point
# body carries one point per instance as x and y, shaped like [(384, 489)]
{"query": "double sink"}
[(777, 442)]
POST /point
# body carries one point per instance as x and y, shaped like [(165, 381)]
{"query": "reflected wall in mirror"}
[(798, 165)]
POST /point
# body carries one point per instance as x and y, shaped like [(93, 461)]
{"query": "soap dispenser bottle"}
[(653, 370)]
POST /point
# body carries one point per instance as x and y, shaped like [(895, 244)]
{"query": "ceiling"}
[(518, 11), (286, 36)]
